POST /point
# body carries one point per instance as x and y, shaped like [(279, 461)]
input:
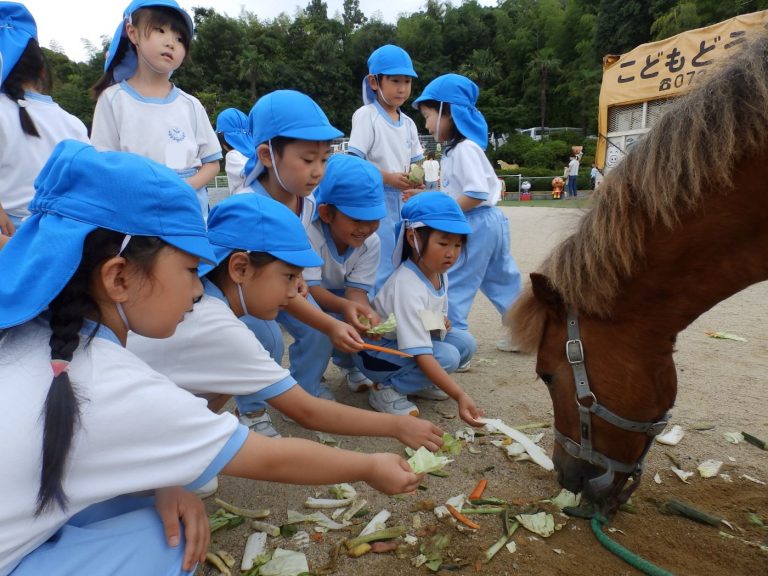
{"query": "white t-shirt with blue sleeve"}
[(137, 431), (415, 302), (306, 203), (356, 268), (174, 130), (390, 146), (214, 352), (466, 171)]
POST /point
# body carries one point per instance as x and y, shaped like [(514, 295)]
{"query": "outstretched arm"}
[(297, 461), (335, 418)]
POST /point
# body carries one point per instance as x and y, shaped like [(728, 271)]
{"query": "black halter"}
[(574, 351)]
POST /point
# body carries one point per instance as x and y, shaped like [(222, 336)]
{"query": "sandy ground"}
[(722, 384)]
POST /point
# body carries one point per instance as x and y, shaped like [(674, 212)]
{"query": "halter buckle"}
[(574, 351)]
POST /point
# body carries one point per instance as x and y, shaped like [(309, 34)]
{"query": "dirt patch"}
[(721, 383)]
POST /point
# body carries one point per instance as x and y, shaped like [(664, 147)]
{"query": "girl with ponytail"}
[(112, 245), (31, 123)]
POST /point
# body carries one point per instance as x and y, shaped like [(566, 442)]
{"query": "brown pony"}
[(679, 225)]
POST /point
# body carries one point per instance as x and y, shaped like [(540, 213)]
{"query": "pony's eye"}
[(546, 378)]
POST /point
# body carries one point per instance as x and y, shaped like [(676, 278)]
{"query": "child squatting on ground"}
[(31, 123), (138, 108), (292, 139), (350, 204), (384, 135), (431, 238), (448, 104), (260, 250), (92, 424)]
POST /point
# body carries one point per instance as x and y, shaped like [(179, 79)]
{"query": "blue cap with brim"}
[(461, 93), (354, 186), (17, 28), (77, 191), (233, 124), (254, 223), (390, 60), (286, 113), (434, 209), (127, 66)]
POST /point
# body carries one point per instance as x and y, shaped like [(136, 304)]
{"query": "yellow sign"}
[(669, 67)]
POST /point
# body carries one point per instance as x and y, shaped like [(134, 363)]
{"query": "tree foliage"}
[(538, 62)]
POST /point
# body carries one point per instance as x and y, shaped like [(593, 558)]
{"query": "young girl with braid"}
[(31, 123), (113, 244)]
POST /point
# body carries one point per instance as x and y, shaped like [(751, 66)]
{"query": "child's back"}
[(31, 123)]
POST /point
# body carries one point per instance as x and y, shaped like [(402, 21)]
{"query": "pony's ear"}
[(545, 292)]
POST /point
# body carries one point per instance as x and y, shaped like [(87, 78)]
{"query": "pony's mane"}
[(690, 152)]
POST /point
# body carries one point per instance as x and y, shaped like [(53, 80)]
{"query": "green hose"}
[(628, 556)]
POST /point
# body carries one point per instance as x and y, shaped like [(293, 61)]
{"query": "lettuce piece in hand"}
[(385, 327), (416, 175), (423, 461)]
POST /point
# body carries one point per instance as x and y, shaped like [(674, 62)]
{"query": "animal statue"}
[(504, 166), (675, 229)]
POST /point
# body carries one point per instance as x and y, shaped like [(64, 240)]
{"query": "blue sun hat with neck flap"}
[(437, 210), (126, 67), (77, 191), (17, 28), (354, 186), (233, 124), (254, 223), (286, 113), (461, 93), (390, 60)]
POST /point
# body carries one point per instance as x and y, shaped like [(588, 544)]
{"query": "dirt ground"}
[(722, 384)]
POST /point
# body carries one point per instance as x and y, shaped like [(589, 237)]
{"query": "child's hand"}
[(390, 474), (177, 503), (468, 411), (302, 287), (447, 324), (345, 338), (7, 226), (352, 312), (410, 193), (417, 432), (397, 180)]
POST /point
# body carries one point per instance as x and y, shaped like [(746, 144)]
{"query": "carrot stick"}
[(461, 518), (477, 493), (386, 350)]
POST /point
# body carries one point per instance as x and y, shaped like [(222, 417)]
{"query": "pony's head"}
[(604, 309), (611, 393)]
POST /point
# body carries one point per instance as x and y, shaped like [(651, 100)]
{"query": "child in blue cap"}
[(261, 249), (385, 136), (93, 425), (431, 237), (138, 108), (237, 143), (448, 104), (31, 123), (350, 204), (292, 138)]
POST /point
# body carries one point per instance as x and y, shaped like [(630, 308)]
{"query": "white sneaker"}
[(260, 422), (465, 367), (391, 401), (356, 380), (431, 393), (208, 489), (506, 345)]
